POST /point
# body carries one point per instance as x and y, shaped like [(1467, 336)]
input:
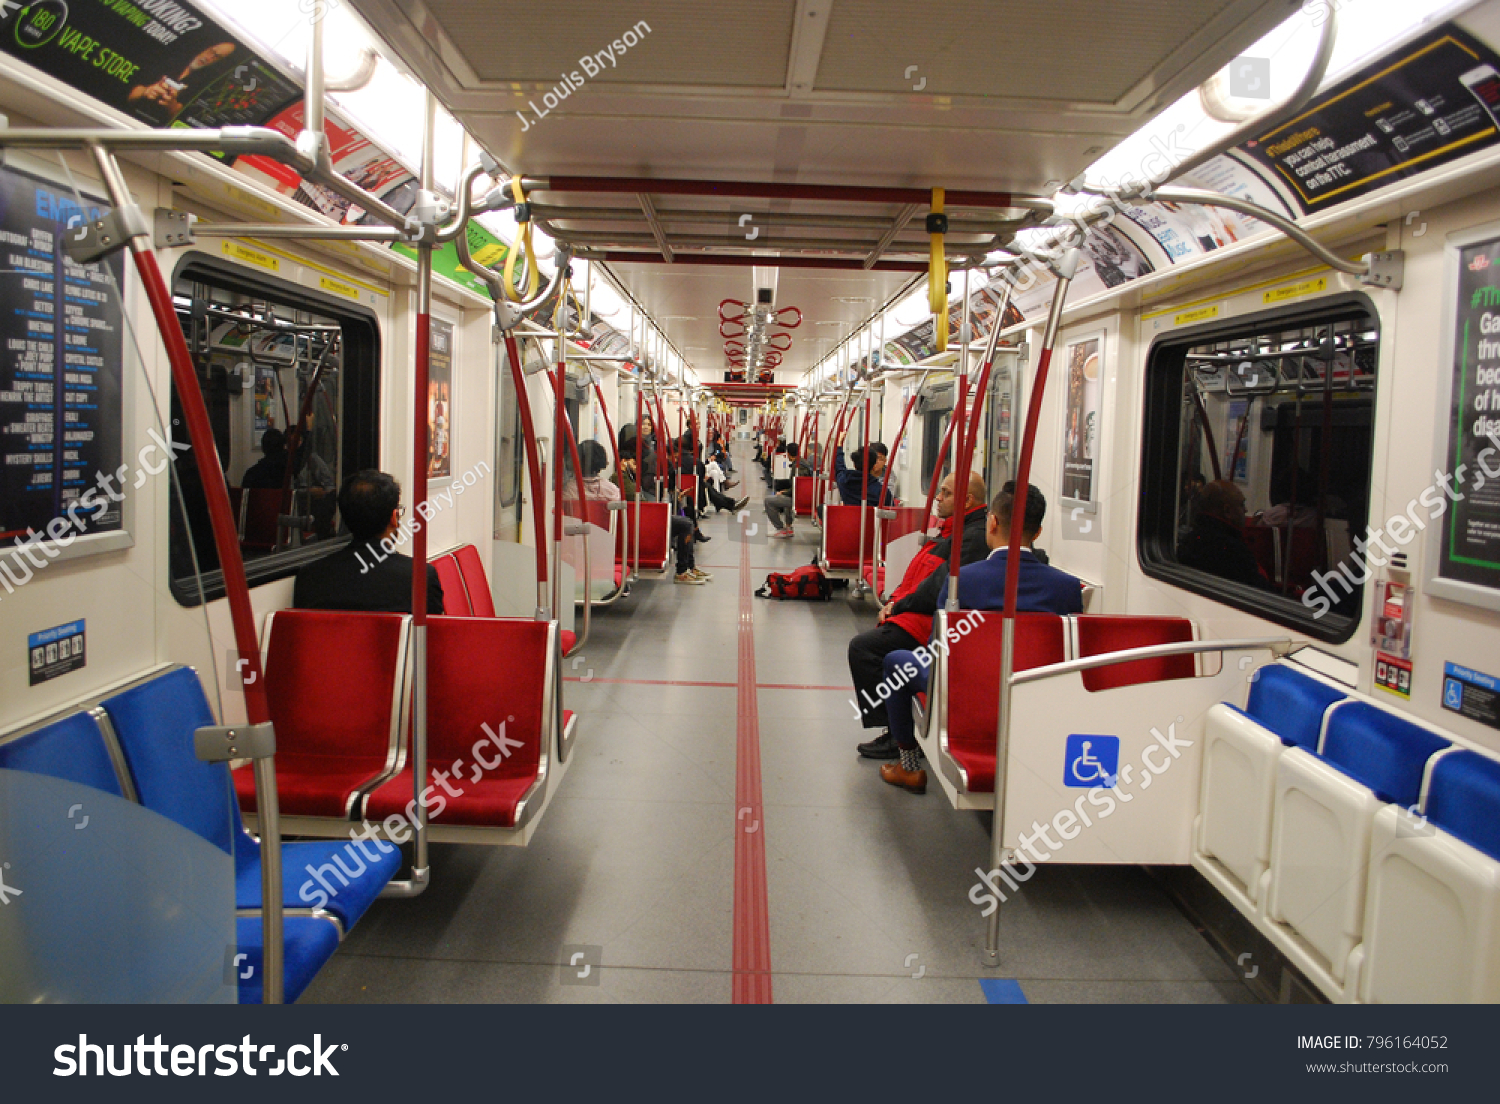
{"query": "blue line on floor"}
[(1002, 991)]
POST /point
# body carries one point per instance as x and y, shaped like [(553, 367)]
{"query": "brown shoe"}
[(910, 781)]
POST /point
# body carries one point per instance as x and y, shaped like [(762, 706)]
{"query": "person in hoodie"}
[(906, 620)]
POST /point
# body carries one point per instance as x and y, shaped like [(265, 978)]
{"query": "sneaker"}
[(704, 575), (690, 579), (882, 747), (701, 537), (741, 504)]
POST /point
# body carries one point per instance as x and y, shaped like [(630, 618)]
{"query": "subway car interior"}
[(960, 503)]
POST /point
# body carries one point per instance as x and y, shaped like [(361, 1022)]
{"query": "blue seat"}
[(345, 891), (1290, 704), (155, 722), (1464, 799), (309, 940), (1380, 750), (72, 749)]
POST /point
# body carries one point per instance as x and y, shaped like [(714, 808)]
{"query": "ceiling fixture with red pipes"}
[(755, 337)]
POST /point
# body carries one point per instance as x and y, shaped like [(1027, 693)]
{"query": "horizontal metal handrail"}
[(1279, 645)]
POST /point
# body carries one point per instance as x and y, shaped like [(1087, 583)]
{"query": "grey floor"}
[(633, 864)]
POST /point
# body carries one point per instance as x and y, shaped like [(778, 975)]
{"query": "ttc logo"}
[(1091, 762)]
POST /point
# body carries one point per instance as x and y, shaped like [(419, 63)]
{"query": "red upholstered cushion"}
[(974, 685), (802, 495), (654, 535), (330, 682), (1099, 634), (455, 594), (569, 638), (488, 803), (306, 785), (480, 672), (841, 537), (481, 601), (619, 574)]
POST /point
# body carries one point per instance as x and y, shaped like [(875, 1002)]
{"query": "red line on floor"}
[(752, 910), (686, 682), (653, 682)]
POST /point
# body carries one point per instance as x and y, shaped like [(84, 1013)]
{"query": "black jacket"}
[(363, 579), (1218, 548), (924, 598)]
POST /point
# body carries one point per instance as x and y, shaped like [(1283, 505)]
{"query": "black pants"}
[(867, 653), (682, 543), (719, 501)]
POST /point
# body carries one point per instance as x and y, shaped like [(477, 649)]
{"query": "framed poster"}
[(1083, 373), (440, 401), (62, 473), (1464, 544)]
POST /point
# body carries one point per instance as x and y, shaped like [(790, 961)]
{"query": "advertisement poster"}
[(163, 64), (1084, 360), (440, 402), (60, 377), (1438, 100), (1469, 545), (354, 157), (265, 400)]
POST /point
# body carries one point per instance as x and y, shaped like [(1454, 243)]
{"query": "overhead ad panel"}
[(1435, 100), (163, 62)]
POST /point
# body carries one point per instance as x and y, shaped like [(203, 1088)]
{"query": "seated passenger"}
[(1216, 542), (596, 486), (269, 472), (363, 576), (779, 506), (850, 476), (981, 586), (906, 620)]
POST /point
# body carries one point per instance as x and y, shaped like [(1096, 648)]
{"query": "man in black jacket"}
[(365, 575), (906, 620)]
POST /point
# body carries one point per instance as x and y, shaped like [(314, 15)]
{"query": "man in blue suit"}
[(981, 586)]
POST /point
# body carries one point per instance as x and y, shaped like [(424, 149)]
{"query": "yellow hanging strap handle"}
[(937, 275), (523, 241)]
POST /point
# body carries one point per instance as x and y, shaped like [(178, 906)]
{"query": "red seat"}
[(973, 673), (802, 495), (569, 639), (875, 577), (262, 508), (841, 538), (655, 540), (481, 601), (486, 690), (1098, 634), (455, 594), (334, 682)]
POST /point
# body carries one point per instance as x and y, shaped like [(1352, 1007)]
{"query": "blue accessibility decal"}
[(1091, 762)]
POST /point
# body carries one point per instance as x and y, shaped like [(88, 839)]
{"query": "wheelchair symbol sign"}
[(1091, 762), (1453, 693)]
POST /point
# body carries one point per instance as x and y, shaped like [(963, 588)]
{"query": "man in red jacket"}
[(906, 620)]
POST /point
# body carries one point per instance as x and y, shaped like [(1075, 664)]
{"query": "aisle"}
[(681, 872)]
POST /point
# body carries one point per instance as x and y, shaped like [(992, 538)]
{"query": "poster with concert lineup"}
[(61, 352)]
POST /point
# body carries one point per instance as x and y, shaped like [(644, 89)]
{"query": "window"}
[(1256, 464), (290, 378)]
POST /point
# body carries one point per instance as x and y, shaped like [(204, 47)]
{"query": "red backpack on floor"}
[(808, 584)]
